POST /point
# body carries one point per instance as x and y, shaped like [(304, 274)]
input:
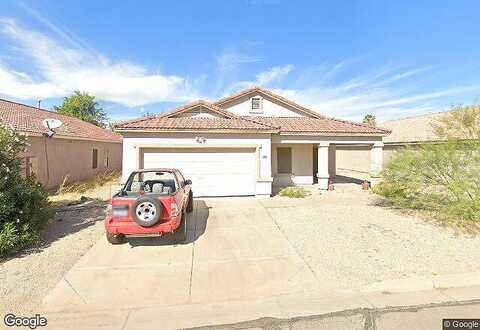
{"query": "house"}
[(244, 144), (410, 131), (76, 150)]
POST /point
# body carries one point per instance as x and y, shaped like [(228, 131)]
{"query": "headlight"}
[(120, 211)]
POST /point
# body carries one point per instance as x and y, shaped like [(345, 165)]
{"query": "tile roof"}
[(186, 123), (313, 123), (169, 121), (27, 119), (299, 125), (413, 129)]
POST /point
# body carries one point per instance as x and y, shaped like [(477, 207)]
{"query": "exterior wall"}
[(302, 165), (354, 158), (133, 142), (55, 158), (242, 107)]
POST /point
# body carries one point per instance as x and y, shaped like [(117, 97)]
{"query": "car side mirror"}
[(187, 182)]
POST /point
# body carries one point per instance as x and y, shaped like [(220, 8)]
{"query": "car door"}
[(184, 190)]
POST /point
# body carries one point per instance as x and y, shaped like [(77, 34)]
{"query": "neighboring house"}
[(406, 131), (77, 150), (244, 143)]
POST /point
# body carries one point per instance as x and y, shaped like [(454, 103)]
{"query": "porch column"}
[(322, 174), (376, 159)]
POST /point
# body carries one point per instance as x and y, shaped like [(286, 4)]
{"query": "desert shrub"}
[(441, 177), (23, 202), (79, 187), (293, 192)]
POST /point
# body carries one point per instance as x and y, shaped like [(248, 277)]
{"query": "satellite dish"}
[(52, 123)]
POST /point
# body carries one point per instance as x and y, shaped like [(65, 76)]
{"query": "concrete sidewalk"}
[(343, 309)]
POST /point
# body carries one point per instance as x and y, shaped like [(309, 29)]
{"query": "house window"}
[(284, 160), (256, 105), (106, 158), (95, 158)]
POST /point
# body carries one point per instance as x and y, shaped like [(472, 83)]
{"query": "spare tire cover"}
[(147, 211)]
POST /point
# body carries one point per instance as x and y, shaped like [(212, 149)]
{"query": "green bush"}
[(23, 202), (293, 192), (442, 178)]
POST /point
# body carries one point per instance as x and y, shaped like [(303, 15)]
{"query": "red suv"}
[(152, 202)]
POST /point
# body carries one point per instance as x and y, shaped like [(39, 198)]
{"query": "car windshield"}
[(152, 181)]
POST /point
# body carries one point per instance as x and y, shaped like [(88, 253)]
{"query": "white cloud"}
[(275, 73), (230, 60), (59, 70), (387, 94)]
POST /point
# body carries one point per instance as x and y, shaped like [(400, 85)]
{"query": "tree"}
[(24, 208), (441, 177), (83, 106), (460, 123), (370, 120)]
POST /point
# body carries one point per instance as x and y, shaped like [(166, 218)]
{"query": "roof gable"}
[(199, 115), (288, 108), (195, 108)]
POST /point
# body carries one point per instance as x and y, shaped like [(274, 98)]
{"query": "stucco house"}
[(245, 143), (410, 131), (76, 150)]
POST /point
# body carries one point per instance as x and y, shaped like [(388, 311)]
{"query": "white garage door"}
[(214, 172)]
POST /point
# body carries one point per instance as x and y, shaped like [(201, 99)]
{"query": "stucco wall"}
[(354, 158), (57, 158), (242, 107)]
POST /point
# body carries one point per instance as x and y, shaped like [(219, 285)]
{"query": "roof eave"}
[(203, 130)]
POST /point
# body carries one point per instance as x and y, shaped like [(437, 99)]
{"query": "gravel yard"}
[(345, 238), (26, 278)]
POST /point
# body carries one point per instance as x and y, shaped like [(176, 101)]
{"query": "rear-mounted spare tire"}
[(147, 211)]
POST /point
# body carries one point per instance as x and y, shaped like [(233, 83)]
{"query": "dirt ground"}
[(25, 278)]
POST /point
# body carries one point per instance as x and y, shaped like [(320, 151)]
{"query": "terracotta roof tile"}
[(319, 125), (413, 129), (28, 119), (162, 123), (169, 121)]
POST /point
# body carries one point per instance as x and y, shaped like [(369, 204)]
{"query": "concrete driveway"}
[(234, 252)]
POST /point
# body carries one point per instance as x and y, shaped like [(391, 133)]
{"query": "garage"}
[(213, 171)]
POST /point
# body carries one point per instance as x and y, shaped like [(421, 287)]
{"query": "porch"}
[(300, 160)]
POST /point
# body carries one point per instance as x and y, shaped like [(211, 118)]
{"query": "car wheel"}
[(147, 211), (190, 203), (115, 238), (181, 232)]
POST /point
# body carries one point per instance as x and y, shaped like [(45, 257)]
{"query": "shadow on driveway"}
[(196, 225)]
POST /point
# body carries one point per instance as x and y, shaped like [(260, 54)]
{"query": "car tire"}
[(190, 203), (147, 211), (180, 234), (115, 238)]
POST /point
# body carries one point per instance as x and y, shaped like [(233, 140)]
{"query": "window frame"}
[(260, 105), (94, 158)]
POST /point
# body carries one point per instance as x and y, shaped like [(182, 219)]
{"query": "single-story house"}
[(410, 131), (76, 150), (245, 143)]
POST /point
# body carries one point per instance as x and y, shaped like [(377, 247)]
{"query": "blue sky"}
[(341, 58)]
